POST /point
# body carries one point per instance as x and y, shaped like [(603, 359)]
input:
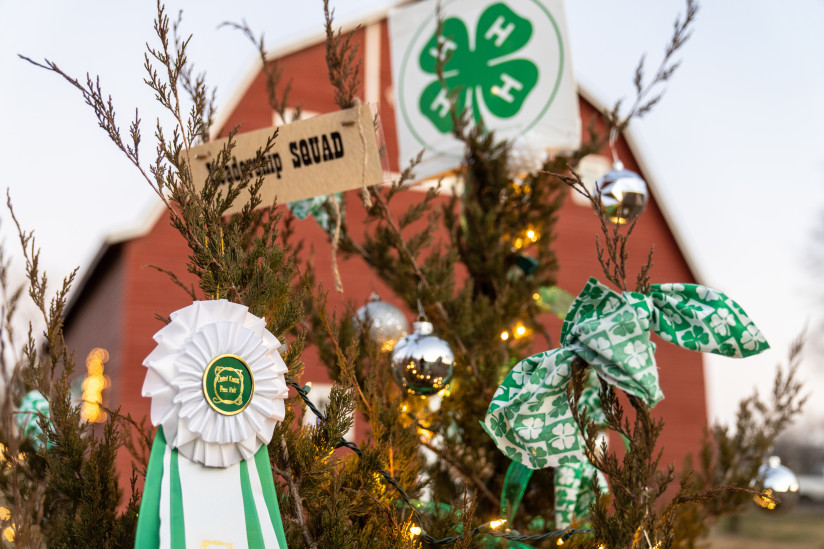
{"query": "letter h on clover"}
[(489, 75)]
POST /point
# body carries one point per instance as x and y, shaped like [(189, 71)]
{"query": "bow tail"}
[(529, 418)]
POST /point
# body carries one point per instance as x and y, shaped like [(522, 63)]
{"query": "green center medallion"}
[(228, 384)]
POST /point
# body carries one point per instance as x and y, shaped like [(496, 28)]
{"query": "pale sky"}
[(736, 148)]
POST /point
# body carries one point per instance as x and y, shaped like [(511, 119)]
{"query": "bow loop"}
[(702, 319)]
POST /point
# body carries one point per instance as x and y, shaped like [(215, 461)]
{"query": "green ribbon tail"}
[(515, 482), (264, 469), (148, 519)]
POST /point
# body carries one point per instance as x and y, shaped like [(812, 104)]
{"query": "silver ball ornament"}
[(422, 363), (387, 323), (777, 481), (624, 195)]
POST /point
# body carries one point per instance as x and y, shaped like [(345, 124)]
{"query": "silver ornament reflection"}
[(387, 323), (779, 482), (422, 362), (624, 195)]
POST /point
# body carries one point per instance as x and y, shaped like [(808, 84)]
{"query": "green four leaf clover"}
[(485, 75)]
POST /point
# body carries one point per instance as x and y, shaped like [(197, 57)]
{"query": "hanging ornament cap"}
[(422, 327), (779, 482), (624, 195), (387, 323), (422, 363)]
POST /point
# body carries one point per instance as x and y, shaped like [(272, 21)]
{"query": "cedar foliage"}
[(468, 285)]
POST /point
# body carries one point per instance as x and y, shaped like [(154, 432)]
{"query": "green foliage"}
[(61, 490), (454, 257)]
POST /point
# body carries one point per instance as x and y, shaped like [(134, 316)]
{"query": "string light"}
[(414, 531), (496, 523), (93, 385), (4, 513), (525, 238), (765, 499), (8, 533), (518, 331), (560, 541)]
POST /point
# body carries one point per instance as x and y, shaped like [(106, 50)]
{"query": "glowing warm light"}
[(536, 296), (520, 331), (8, 533), (93, 385), (4, 513), (518, 243), (765, 499), (504, 335), (532, 235), (404, 407), (414, 531), (560, 541), (497, 523)]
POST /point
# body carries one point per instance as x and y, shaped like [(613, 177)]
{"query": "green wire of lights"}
[(487, 528)]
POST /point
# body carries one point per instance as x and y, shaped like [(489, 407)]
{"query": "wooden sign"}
[(321, 155)]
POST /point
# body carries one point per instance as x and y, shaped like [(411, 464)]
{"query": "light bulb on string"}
[(525, 237), (518, 331), (779, 487)]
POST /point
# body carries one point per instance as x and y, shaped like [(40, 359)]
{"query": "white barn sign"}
[(509, 61)]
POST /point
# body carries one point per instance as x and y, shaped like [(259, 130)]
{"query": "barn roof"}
[(311, 39)]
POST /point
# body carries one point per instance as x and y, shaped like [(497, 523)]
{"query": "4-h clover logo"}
[(504, 63), (487, 75)]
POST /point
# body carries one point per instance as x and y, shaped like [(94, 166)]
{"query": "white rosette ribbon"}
[(197, 335)]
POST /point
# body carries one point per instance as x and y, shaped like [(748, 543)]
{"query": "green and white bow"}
[(27, 417), (314, 207), (529, 417)]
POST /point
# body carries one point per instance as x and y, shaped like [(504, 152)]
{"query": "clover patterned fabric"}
[(529, 417), (27, 417), (314, 207), (573, 491), (490, 77)]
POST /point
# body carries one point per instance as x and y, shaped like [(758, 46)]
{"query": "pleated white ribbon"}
[(194, 338)]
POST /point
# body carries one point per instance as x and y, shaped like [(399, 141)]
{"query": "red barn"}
[(114, 305)]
